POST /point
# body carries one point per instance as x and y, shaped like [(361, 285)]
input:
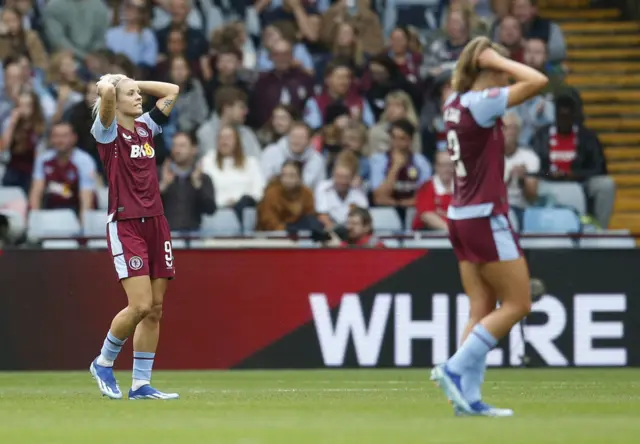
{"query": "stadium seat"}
[(391, 243), (549, 220), (408, 219), (103, 197), (569, 194), (9, 194), (60, 244), (95, 223), (608, 242), (52, 223), (97, 244), (385, 219), (428, 243), (547, 243), (249, 218), (223, 223), (178, 244)]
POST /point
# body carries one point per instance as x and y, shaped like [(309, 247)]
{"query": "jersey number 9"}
[(454, 147)]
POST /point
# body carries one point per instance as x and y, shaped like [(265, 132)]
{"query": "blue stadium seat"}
[(549, 220), (60, 244), (249, 219), (408, 218), (95, 223), (52, 223), (103, 197), (9, 194), (223, 223), (385, 219)]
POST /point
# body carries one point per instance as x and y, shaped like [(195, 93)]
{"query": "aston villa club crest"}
[(135, 263), (412, 172), (142, 132)]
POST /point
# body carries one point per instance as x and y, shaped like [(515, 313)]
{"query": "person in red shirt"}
[(434, 197), (360, 230)]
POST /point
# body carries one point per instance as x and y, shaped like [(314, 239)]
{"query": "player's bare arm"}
[(529, 82), (167, 93), (107, 94)]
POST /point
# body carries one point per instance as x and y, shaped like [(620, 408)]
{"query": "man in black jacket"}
[(571, 158)]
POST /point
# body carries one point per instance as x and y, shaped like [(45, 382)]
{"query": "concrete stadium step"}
[(596, 96), (624, 167), (603, 54), (610, 67), (625, 221), (604, 124), (563, 3), (627, 204), (620, 138), (603, 80), (574, 40), (611, 109), (599, 27), (627, 180), (579, 14), (628, 193), (621, 154)]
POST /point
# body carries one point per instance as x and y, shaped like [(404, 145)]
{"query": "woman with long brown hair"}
[(348, 46), (20, 139), (64, 82), (15, 40), (492, 267)]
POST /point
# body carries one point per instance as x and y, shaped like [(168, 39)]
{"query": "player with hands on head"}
[(137, 230), (491, 264)]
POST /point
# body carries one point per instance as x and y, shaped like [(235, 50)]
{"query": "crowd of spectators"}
[(303, 109)]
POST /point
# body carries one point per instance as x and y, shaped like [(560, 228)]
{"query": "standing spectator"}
[(176, 47), (407, 61), (521, 167), (444, 52), (186, 192), (63, 176), (230, 109), (76, 26), (535, 55), (360, 230), (347, 46), (296, 12), (202, 15), (397, 174), (64, 83), (338, 78), (398, 106), (226, 73), (22, 135), (296, 146), (510, 36), (328, 139), (286, 84), (334, 197), (274, 34), (13, 85), (571, 155), (279, 125), (236, 177), (15, 40), (196, 42), (434, 197), (287, 204), (134, 38), (363, 19)]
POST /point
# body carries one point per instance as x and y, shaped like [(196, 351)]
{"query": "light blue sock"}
[(142, 366), (110, 350), (472, 381), (472, 351)]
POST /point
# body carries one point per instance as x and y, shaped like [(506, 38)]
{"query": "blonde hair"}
[(114, 79), (407, 103), (467, 69)]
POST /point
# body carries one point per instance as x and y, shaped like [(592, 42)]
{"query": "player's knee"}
[(155, 313), (142, 309)]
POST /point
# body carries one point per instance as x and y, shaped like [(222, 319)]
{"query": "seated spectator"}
[(22, 135), (64, 83), (328, 140), (398, 106), (444, 52), (354, 140), (196, 44), (382, 78), (407, 61), (70, 27), (360, 230), (338, 88), (272, 35), (187, 193), (279, 125), (134, 38), (316, 47), (366, 22), (397, 174), (225, 72), (334, 197), (286, 84), (230, 109), (296, 146), (176, 47), (535, 55), (15, 40), (63, 176), (534, 26), (571, 154), (191, 109), (510, 36), (521, 167), (434, 197), (434, 136), (236, 177), (287, 204), (11, 89), (347, 46), (80, 117)]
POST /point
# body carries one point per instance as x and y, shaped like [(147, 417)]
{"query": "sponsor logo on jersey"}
[(135, 263), (138, 152), (142, 132)]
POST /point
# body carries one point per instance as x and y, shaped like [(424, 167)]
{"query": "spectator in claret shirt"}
[(434, 197)]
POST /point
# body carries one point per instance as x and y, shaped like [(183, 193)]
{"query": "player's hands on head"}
[(488, 59)]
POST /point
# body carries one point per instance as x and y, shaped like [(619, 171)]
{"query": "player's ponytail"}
[(467, 69), (114, 79)]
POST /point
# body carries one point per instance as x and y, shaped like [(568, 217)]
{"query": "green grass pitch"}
[(333, 407)]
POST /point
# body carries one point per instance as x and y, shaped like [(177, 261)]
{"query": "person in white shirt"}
[(237, 178), (521, 165), (335, 197)]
